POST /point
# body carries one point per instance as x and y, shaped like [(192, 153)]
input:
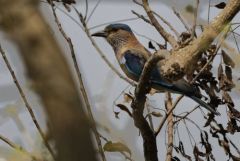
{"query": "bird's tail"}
[(205, 105)]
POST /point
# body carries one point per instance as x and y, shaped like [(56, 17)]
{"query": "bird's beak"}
[(100, 34)]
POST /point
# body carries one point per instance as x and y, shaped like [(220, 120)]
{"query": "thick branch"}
[(80, 80), (185, 59), (51, 78), (149, 139)]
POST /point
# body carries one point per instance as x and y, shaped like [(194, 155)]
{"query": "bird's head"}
[(116, 34)]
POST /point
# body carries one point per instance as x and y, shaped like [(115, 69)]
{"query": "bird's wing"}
[(186, 88), (132, 64)]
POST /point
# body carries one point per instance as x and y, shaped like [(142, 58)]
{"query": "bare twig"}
[(29, 108), (138, 3), (188, 113), (209, 9), (195, 20), (93, 10), (235, 39), (167, 23), (86, 9), (169, 106), (144, 36), (168, 37), (81, 84), (19, 148), (164, 119), (181, 19), (117, 21), (141, 17)]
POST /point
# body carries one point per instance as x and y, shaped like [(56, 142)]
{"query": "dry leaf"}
[(124, 108), (156, 114), (116, 147), (227, 59), (221, 5), (127, 98), (116, 115)]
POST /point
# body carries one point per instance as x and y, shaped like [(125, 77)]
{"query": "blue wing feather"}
[(134, 64)]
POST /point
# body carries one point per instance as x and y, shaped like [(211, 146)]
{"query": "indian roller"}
[(132, 56)]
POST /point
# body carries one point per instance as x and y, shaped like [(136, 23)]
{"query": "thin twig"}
[(93, 10), (169, 106), (164, 119), (81, 84), (117, 21), (195, 20), (86, 9), (235, 39), (209, 7), (144, 36), (167, 23), (141, 17), (181, 19), (138, 3), (29, 108), (188, 113), (19, 148), (168, 37)]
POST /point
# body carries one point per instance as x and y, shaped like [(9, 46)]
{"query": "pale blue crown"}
[(118, 26)]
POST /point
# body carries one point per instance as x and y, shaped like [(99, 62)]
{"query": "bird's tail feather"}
[(205, 105)]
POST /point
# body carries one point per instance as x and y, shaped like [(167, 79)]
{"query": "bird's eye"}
[(115, 30)]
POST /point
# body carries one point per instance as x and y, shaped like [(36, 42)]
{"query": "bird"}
[(132, 56)]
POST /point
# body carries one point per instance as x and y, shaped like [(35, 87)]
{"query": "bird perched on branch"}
[(132, 56)]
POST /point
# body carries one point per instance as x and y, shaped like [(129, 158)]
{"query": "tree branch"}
[(184, 60), (51, 78), (29, 108), (80, 80), (169, 107), (149, 139), (168, 37)]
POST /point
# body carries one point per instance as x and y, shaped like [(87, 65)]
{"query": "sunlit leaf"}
[(156, 114), (127, 98), (116, 147)]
